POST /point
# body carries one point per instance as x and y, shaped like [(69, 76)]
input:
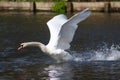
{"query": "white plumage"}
[(62, 31)]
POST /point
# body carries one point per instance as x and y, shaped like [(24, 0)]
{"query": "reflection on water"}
[(59, 71), (95, 47)]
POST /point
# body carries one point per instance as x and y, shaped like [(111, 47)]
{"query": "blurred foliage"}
[(59, 7)]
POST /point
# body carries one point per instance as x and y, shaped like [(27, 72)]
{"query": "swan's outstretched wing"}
[(68, 29), (62, 29), (54, 26)]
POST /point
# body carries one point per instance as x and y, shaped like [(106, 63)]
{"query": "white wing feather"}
[(68, 29), (54, 26), (62, 30)]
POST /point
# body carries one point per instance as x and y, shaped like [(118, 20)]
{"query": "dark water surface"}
[(96, 46)]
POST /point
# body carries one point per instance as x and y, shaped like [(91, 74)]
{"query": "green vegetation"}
[(59, 7)]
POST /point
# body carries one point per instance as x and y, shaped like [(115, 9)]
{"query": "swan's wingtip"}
[(87, 10)]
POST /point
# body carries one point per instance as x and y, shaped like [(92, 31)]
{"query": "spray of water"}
[(104, 53)]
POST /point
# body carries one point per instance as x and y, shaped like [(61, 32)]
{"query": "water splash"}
[(104, 53)]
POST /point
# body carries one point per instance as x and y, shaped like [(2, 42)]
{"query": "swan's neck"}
[(36, 44)]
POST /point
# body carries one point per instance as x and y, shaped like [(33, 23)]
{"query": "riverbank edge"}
[(70, 6)]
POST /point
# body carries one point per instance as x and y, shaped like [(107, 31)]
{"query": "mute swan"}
[(62, 31)]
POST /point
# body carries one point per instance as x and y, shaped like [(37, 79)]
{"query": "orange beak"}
[(20, 47)]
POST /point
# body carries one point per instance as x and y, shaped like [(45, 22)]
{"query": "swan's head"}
[(25, 44), (22, 45)]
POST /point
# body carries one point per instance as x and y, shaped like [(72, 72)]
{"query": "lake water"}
[(96, 47)]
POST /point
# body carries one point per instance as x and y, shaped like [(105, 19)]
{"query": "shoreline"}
[(47, 6)]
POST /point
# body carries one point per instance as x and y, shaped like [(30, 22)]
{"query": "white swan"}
[(61, 34)]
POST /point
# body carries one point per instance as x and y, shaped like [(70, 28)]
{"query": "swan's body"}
[(61, 34)]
